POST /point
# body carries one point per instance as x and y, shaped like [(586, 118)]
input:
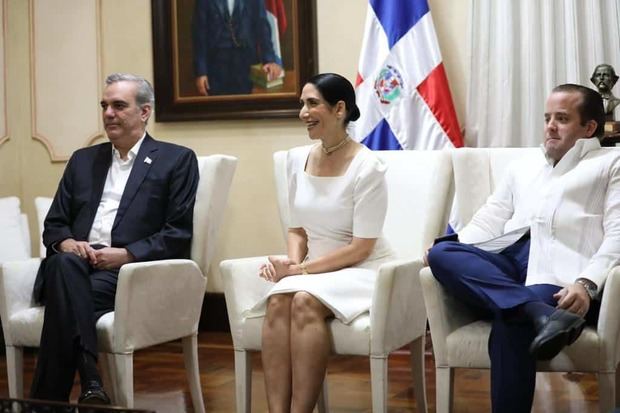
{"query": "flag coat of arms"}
[(401, 87)]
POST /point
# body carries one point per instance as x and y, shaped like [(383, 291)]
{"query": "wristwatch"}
[(590, 287)]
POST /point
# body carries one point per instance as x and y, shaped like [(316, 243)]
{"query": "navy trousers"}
[(492, 284), (75, 296)]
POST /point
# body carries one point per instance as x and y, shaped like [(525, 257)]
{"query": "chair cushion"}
[(353, 338), (467, 347), (583, 355), (13, 245), (26, 326), (105, 332), (251, 333)]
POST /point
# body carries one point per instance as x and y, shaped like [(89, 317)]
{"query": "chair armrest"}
[(243, 288), (445, 313), (397, 315), (156, 301), (16, 284), (608, 327)]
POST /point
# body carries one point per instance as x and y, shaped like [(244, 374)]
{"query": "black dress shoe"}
[(94, 394), (555, 332)]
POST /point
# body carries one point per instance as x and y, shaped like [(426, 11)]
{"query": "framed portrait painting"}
[(231, 59)]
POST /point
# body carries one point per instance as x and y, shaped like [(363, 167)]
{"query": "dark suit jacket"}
[(211, 31), (155, 215)]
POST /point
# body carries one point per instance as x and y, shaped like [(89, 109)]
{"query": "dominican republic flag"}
[(402, 89), (276, 15)]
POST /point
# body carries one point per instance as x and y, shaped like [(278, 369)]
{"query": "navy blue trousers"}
[(492, 284)]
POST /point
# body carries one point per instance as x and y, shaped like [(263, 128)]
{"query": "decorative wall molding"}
[(4, 129), (65, 77)]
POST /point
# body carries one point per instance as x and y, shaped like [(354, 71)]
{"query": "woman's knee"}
[(278, 305), (307, 308)]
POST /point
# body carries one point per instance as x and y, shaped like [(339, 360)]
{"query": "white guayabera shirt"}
[(573, 210)]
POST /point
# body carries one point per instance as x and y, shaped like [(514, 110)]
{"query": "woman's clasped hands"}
[(276, 268)]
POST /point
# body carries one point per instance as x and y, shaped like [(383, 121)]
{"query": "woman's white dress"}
[(332, 210)]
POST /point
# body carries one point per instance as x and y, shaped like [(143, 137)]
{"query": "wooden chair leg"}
[(416, 348), (190, 355), (243, 381)]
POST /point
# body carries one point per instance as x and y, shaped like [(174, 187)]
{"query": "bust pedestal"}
[(612, 134)]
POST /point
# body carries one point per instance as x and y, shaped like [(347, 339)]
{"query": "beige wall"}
[(251, 225)]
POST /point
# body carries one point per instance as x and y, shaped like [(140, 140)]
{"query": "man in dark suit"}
[(130, 199), (229, 37)]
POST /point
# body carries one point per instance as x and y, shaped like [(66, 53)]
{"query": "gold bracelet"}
[(302, 267)]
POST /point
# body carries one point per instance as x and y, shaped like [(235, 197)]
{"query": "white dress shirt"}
[(118, 174), (573, 210)]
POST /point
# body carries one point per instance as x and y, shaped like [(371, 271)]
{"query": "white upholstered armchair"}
[(460, 339), (419, 185), (156, 301)]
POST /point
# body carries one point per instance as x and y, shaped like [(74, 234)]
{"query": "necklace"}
[(329, 150)]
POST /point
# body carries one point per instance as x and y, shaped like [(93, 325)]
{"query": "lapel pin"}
[(148, 160)]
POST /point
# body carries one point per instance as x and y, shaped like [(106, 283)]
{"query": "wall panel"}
[(65, 74)]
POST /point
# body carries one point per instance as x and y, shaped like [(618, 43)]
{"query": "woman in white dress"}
[(337, 200)]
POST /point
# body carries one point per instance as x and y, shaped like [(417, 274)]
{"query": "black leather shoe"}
[(94, 394), (554, 332)]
